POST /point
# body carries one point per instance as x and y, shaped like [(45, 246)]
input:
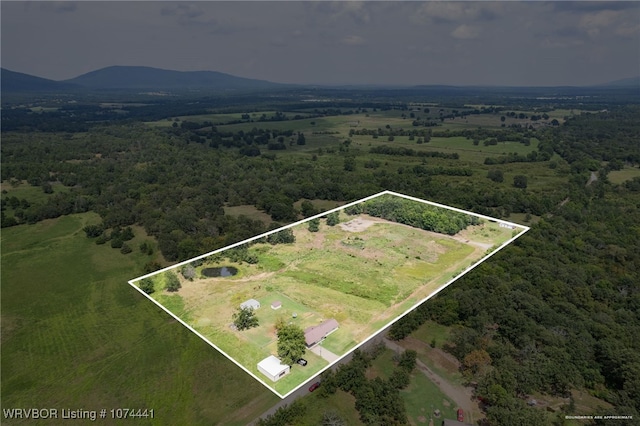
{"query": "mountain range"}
[(155, 79), (134, 78)]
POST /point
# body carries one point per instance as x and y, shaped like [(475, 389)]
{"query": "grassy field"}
[(364, 276), (341, 403), (621, 176), (434, 358), (471, 157), (422, 397), (249, 211), (382, 366), (79, 336), (431, 330), (33, 194)]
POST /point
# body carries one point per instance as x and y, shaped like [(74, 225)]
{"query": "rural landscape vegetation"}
[(361, 266), (518, 112), (101, 186)]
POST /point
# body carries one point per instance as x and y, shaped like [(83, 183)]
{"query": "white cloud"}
[(594, 23), (457, 12), (59, 6), (334, 11), (466, 32), (628, 30), (556, 43), (601, 19), (353, 40)]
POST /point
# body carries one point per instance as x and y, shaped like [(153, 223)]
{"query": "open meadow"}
[(75, 335), (364, 272)]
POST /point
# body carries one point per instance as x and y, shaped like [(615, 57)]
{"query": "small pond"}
[(225, 271)]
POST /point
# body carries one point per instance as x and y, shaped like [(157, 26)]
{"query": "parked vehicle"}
[(302, 362), (460, 415), (314, 386)]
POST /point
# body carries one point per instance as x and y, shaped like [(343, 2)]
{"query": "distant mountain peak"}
[(143, 77), (13, 81), (624, 82)]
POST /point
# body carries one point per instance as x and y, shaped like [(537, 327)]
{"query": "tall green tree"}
[(245, 318), (291, 343)]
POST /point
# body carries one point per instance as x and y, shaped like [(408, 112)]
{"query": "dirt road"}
[(459, 394)]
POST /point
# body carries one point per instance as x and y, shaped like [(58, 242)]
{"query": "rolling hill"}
[(13, 82), (129, 77)]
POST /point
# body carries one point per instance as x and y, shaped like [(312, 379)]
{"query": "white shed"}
[(272, 368), (251, 303)]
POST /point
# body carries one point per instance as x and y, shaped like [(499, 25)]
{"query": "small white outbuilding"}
[(251, 303), (272, 368)]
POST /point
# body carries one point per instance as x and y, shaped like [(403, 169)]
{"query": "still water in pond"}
[(225, 271)]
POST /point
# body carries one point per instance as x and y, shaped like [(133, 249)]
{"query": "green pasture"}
[(302, 125), (332, 303), (80, 336), (621, 176), (422, 397), (431, 330), (33, 194), (382, 366), (320, 205), (216, 119), (362, 279), (249, 211), (268, 262), (457, 144), (477, 153), (489, 233), (453, 257), (341, 403), (247, 347)]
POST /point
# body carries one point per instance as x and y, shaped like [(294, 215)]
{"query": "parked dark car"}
[(302, 362), (314, 386)]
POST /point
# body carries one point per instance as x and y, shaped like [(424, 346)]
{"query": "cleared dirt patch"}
[(356, 225)]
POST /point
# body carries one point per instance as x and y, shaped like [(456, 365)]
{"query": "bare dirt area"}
[(318, 241), (357, 225)]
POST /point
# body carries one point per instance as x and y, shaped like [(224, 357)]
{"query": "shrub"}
[(172, 281), (146, 285)]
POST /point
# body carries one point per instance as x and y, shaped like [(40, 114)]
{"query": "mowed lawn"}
[(76, 335)]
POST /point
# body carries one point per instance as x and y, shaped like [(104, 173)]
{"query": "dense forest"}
[(557, 310), (410, 213), (561, 308)]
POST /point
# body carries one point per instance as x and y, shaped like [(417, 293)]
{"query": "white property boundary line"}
[(466, 270)]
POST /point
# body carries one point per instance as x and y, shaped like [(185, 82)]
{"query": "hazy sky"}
[(347, 42)]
